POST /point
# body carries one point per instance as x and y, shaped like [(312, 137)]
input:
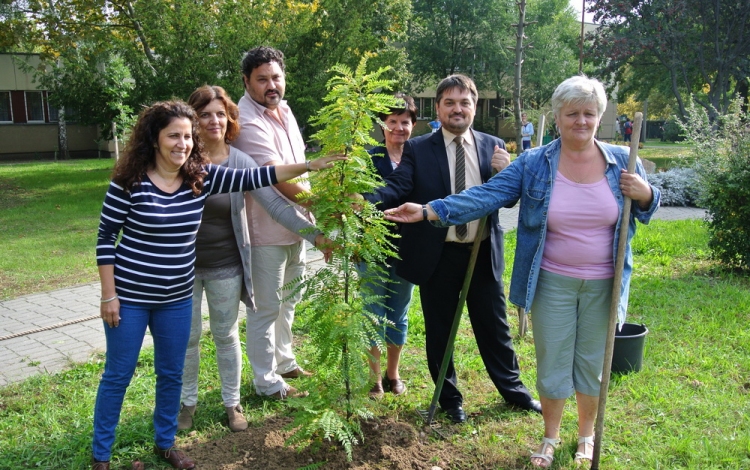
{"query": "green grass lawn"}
[(666, 154), (687, 409), (49, 214)]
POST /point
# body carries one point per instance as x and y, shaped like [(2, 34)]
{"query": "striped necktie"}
[(461, 230)]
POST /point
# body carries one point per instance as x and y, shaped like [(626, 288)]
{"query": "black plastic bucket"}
[(629, 344)]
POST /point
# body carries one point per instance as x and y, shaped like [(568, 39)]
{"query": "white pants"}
[(269, 327), (223, 297)]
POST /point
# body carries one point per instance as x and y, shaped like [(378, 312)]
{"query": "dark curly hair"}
[(204, 95), (406, 106), (140, 152), (254, 58)]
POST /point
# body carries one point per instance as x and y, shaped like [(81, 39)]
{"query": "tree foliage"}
[(343, 330), (169, 48), (340, 33), (689, 47), (552, 55), (722, 151), (477, 38), (458, 36)]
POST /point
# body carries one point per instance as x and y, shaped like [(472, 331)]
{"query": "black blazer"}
[(381, 161), (423, 176)]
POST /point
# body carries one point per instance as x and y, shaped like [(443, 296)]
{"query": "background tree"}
[(552, 55), (473, 37), (459, 36), (341, 32), (688, 46), (171, 47), (519, 27)]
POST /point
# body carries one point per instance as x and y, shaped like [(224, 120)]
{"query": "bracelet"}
[(307, 164), (424, 211), (106, 301)]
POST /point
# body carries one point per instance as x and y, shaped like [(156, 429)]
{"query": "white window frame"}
[(10, 107), (26, 103)]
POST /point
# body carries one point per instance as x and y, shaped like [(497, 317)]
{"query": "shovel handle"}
[(615, 305)]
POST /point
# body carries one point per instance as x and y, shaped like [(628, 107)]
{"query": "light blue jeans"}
[(570, 318), (170, 328), (223, 297), (396, 294)]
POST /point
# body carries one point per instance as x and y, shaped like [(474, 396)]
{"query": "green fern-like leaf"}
[(341, 331)]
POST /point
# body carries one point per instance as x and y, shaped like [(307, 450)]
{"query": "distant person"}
[(618, 129), (571, 193), (527, 130), (395, 292), (435, 124), (436, 258), (223, 257), (628, 129), (155, 200)]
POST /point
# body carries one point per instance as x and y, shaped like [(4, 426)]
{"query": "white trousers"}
[(269, 327), (223, 297)]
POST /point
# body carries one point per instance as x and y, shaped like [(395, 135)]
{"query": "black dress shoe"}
[(531, 405), (456, 415)]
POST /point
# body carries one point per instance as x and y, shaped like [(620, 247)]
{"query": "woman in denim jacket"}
[(572, 193)]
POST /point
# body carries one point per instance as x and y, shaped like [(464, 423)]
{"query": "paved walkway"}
[(47, 332)]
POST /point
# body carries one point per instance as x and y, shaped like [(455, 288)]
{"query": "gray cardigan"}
[(276, 206)]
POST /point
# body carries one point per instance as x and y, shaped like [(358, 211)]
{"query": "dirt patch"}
[(388, 444)]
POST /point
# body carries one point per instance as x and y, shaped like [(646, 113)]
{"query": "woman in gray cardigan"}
[(222, 266)]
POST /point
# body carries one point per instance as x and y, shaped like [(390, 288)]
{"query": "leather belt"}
[(460, 246)]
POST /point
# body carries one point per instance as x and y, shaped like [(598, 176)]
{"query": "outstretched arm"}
[(410, 212), (287, 172)]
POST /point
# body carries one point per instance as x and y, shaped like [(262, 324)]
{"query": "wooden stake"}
[(615, 305)]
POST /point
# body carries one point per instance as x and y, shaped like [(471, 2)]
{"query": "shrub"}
[(672, 132), (722, 151), (678, 186)]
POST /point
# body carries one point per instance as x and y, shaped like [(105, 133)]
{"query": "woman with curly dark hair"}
[(156, 200)]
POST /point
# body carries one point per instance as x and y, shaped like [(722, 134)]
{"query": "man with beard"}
[(270, 134), (434, 166)]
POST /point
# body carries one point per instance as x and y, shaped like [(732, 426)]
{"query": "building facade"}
[(29, 123)]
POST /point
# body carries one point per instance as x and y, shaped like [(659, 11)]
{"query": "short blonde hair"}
[(579, 89)]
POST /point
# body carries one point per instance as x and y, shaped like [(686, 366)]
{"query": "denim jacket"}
[(530, 178)]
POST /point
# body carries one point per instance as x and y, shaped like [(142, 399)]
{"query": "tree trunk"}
[(519, 62), (62, 136)]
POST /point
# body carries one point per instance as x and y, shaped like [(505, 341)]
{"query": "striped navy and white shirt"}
[(155, 256)]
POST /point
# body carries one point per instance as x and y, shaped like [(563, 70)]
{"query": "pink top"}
[(580, 230), (265, 139)]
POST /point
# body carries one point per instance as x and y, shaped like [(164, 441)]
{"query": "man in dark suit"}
[(436, 259)]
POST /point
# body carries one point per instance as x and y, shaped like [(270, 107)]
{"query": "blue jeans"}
[(396, 297), (170, 328)]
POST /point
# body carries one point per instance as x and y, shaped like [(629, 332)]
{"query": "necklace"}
[(583, 176)]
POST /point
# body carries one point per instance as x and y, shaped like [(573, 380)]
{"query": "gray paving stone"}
[(23, 345)]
